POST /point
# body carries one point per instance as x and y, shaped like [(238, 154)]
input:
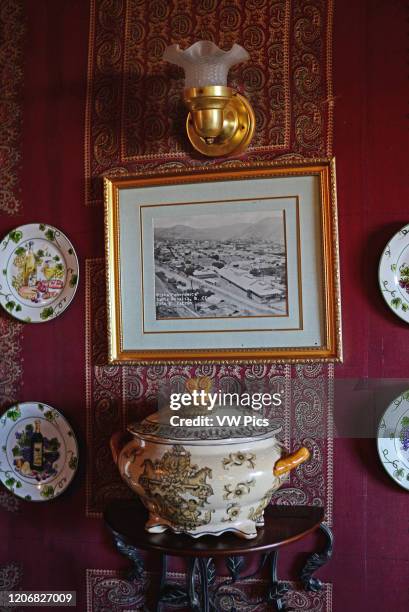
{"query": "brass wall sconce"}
[(221, 121)]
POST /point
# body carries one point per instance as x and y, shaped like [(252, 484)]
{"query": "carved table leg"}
[(162, 584), (234, 566), (317, 560), (194, 601), (170, 593), (137, 570), (277, 589), (203, 565), (205, 569)]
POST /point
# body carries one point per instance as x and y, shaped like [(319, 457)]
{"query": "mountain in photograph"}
[(268, 228)]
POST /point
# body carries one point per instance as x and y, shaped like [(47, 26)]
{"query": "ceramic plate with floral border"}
[(393, 440), (394, 273), (39, 272), (38, 451)]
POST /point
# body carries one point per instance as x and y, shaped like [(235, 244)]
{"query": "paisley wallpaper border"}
[(117, 395), (12, 42), (11, 374), (134, 122), (134, 114), (107, 590)]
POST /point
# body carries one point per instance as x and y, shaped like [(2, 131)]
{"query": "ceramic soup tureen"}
[(203, 480)]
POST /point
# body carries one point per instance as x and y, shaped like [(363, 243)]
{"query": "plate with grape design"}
[(394, 273), (393, 440), (39, 272), (38, 451)]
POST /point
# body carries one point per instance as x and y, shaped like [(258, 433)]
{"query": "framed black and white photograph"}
[(236, 263), (211, 265)]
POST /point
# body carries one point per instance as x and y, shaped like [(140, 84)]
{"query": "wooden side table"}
[(283, 525)]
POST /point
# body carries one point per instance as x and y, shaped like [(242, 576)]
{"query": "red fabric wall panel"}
[(371, 145)]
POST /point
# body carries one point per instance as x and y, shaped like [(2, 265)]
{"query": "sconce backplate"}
[(238, 129)]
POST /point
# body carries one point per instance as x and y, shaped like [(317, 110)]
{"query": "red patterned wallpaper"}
[(135, 115), (369, 569), (117, 395), (129, 126), (12, 47)]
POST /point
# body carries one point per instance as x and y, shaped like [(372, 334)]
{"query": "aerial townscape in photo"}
[(209, 265)]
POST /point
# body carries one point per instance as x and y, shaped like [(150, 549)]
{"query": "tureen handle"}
[(117, 443), (286, 464)]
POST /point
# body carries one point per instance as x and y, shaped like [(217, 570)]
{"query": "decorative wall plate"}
[(39, 272), (394, 273), (38, 451), (393, 440)]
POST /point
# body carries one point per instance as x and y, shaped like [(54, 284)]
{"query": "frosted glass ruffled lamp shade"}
[(220, 120), (204, 63)]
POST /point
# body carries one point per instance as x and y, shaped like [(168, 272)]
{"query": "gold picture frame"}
[(267, 284)]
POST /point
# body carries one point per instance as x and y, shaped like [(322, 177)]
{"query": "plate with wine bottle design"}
[(393, 440), (39, 272), (38, 451), (394, 273)]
